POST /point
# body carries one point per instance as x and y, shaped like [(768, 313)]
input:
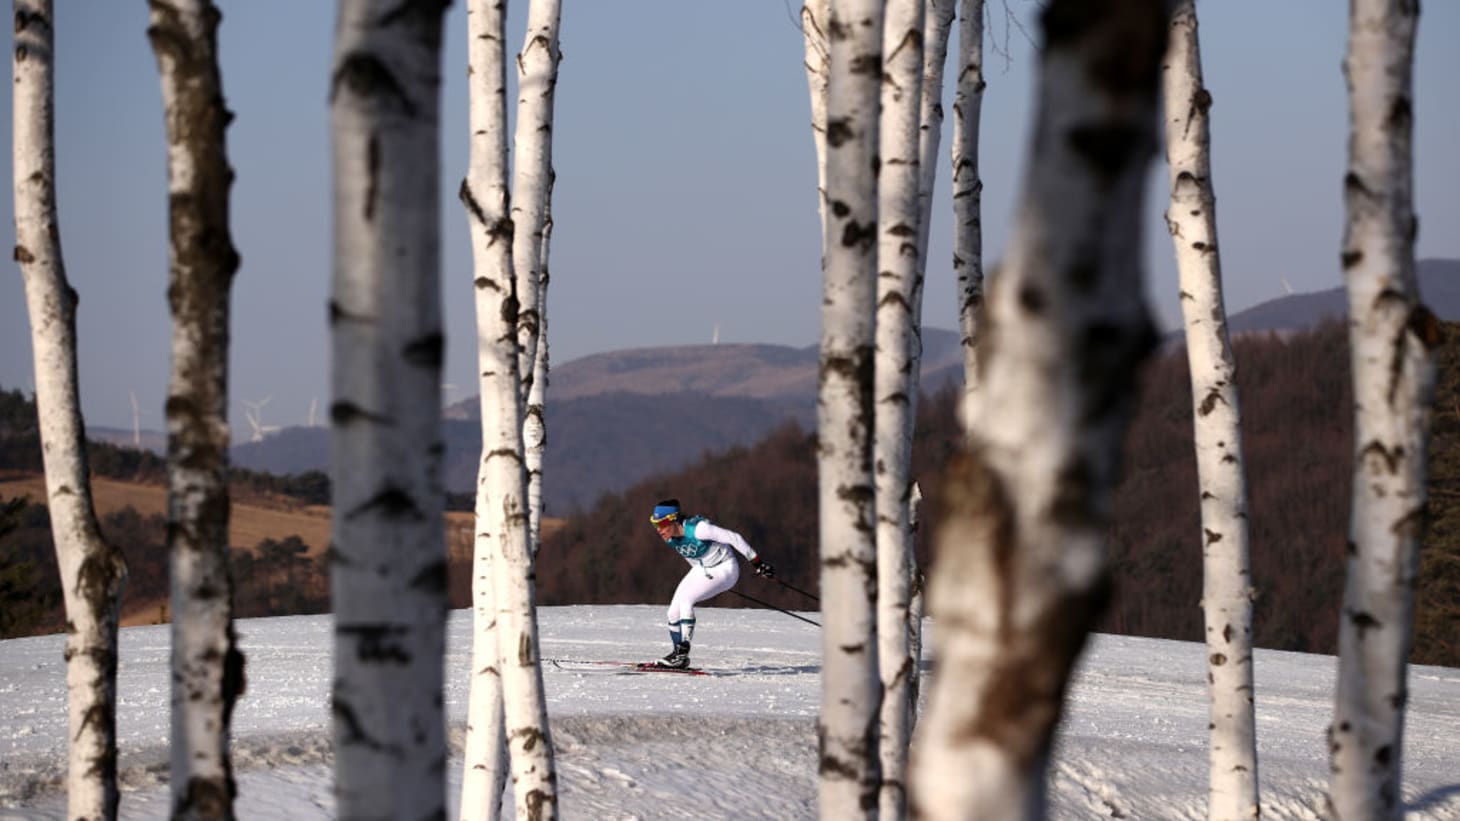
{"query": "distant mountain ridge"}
[(617, 417)]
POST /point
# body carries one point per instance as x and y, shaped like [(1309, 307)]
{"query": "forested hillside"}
[(1297, 424)]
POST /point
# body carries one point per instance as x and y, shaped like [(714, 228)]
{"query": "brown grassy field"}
[(250, 522)]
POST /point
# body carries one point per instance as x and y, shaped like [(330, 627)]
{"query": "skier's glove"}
[(763, 568)]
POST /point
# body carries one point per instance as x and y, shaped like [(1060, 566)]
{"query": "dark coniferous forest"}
[(1295, 398)]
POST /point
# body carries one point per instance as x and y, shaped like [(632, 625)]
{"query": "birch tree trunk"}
[(529, 742), (968, 191), (92, 571), (507, 699), (388, 552), (486, 197), (937, 24), (1227, 582), (1020, 575), (1391, 337), (815, 18), (537, 80), (898, 319), (207, 665), (850, 682), (534, 427)]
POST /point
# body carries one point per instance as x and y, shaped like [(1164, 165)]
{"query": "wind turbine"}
[(1287, 287), (255, 417)]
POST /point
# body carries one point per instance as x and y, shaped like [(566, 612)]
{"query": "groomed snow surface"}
[(737, 744)]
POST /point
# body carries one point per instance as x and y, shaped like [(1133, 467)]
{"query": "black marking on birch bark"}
[(839, 132), (344, 412), (427, 351), (840, 209), (469, 200), (210, 797), (431, 579), (415, 13), (379, 643), (1362, 621), (354, 729), (538, 802), (1217, 659), (1032, 299), (1351, 258), (1108, 149), (1209, 403), (1212, 537), (391, 503), (1389, 457), (369, 78), (23, 255), (372, 175)]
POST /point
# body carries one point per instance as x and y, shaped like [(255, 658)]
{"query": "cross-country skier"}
[(713, 570)]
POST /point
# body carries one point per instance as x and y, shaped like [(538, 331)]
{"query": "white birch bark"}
[(968, 191), (850, 683), (92, 571), (937, 25), (537, 80), (207, 665), (1391, 337), (1020, 574), (815, 18), (486, 197), (899, 276), (507, 699), (1226, 575), (388, 552), (534, 426)]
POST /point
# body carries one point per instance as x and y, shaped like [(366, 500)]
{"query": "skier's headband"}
[(664, 513)]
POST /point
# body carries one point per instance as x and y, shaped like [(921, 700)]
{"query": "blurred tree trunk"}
[(1020, 574), (898, 320), (968, 190), (851, 685), (388, 579), (507, 701), (1392, 337), (92, 570), (207, 665), (1221, 470)]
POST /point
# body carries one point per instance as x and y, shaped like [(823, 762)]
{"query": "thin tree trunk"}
[(815, 18), (388, 552), (1227, 583), (898, 317), (537, 80), (968, 190), (507, 699), (534, 426), (92, 571), (850, 684), (1020, 575), (529, 741), (1391, 337), (207, 665)]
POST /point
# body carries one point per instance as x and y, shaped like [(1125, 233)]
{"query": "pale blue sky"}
[(686, 181)]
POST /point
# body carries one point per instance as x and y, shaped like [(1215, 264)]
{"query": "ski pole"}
[(794, 589), (773, 607)]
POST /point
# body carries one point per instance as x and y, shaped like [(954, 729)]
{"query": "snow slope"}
[(739, 744)]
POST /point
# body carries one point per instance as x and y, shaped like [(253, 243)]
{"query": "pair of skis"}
[(625, 667)]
